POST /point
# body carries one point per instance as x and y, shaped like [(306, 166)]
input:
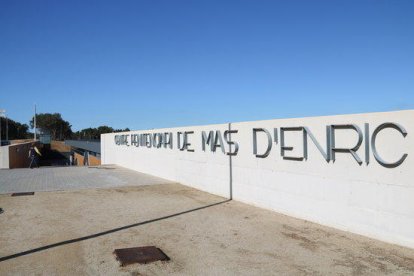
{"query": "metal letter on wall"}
[(157, 140), (218, 142), (179, 146), (326, 155), (207, 140), (381, 161), (134, 140), (366, 130), (141, 140), (269, 142), (284, 148), (227, 138), (352, 150), (148, 140), (186, 143), (167, 139)]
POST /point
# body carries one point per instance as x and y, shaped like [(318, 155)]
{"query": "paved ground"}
[(69, 178), (75, 232)]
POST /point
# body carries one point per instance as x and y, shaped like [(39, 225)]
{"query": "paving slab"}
[(75, 233), (72, 178)]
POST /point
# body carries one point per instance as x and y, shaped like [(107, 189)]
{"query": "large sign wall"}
[(352, 172)]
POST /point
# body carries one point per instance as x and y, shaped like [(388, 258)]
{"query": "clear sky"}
[(151, 64)]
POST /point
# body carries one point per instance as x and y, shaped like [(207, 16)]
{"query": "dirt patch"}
[(305, 242), (75, 232)]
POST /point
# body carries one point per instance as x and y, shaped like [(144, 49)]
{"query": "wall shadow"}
[(230, 167)]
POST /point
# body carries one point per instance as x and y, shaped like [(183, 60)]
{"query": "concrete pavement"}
[(72, 178)]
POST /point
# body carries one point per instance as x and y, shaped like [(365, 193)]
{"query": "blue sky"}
[(151, 64)]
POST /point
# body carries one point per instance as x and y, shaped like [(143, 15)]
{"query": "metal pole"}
[(7, 129), (2, 111), (34, 122)]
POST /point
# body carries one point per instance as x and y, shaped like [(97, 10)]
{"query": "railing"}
[(92, 146)]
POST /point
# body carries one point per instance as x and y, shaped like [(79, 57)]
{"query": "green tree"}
[(59, 129), (16, 130), (121, 130), (95, 133), (104, 129), (87, 134)]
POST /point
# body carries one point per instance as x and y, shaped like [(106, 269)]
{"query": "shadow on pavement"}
[(42, 248)]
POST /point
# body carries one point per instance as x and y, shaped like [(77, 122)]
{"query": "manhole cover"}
[(23, 194), (142, 255)]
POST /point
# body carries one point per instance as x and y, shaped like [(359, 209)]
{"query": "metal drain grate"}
[(142, 255), (23, 194)]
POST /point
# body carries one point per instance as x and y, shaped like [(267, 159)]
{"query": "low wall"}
[(20, 141), (15, 156), (4, 157), (60, 146), (352, 172), (93, 160)]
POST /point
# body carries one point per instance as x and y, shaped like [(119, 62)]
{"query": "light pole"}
[(7, 129), (2, 112), (34, 123)]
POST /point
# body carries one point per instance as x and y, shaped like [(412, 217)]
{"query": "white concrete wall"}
[(368, 199), (4, 157)]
